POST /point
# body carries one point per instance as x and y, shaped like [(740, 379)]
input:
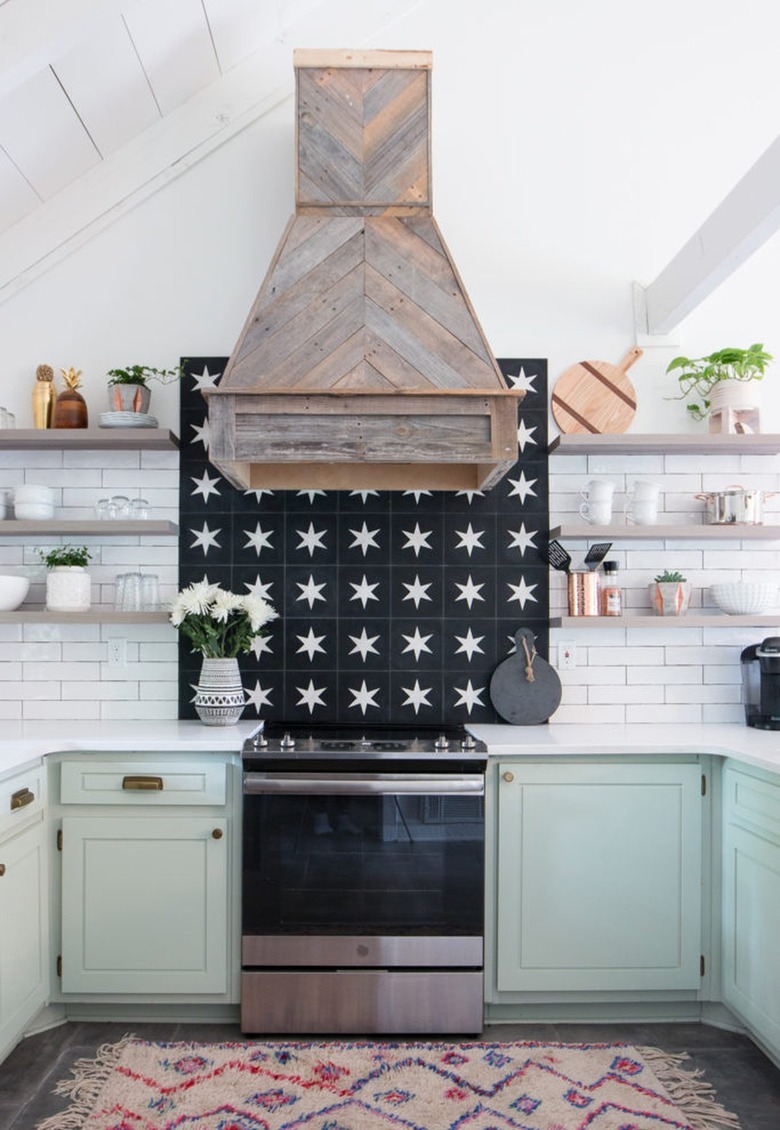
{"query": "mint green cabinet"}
[(598, 873), (751, 900), (23, 904), (148, 876)]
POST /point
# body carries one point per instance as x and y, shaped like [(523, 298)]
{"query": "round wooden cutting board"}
[(596, 397)]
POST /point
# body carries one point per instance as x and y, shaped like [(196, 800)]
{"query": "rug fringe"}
[(89, 1076), (692, 1094)]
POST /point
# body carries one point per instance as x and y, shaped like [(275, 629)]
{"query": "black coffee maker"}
[(761, 684)]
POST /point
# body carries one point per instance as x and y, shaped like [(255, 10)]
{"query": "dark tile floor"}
[(746, 1082)]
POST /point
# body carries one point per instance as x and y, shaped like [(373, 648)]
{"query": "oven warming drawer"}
[(290, 951), (361, 1001)]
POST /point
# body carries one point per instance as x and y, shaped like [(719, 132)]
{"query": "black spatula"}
[(596, 554), (557, 556)]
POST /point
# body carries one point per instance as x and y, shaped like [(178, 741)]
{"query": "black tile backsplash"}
[(394, 606)]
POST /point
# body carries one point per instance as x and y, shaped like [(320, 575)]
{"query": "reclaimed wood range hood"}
[(362, 365)]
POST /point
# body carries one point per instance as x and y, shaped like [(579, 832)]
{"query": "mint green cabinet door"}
[(144, 904), (598, 877), (751, 903), (23, 931)]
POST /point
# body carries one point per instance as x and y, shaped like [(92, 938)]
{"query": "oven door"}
[(363, 868)]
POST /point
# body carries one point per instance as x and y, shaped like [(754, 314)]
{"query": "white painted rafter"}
[(186, 135), (741, 223)]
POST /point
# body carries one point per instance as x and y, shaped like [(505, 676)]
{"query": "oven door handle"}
[(361, 784)]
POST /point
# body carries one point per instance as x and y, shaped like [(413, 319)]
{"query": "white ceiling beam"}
[(179, 140), (33, 33), (741, 223)]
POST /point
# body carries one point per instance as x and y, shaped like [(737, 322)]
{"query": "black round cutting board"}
[(520, 698)]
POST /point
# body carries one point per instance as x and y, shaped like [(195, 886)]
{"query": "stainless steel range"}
[(363, 880)]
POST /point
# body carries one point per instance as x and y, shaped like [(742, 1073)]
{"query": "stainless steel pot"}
[(735, 506)]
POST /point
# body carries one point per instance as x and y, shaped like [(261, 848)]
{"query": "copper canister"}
[(583, 589)]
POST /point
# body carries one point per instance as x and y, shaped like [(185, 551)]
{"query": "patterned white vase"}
[(219, 694)]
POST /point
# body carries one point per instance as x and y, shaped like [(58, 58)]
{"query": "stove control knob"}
[(287, 742), (441, 742), (259, 741), (468, 743)]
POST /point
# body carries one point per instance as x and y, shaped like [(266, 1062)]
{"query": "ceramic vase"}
[(68, 589), (735, 407), (219, 694)]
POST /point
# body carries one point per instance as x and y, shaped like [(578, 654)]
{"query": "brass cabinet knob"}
[(2, 870), (508, 777), (217, 834)]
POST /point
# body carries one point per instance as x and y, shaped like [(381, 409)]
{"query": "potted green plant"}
[(68, 584), (670, 593), (128, 388), (720, 381)]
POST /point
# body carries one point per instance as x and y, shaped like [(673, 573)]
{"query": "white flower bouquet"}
[(220, 624)]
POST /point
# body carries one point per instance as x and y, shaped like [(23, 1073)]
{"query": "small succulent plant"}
[(670, 578)]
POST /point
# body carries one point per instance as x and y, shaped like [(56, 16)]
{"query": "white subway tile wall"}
[(61, 671), (661, 674)]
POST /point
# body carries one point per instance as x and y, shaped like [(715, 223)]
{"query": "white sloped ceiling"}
[(101, 102)]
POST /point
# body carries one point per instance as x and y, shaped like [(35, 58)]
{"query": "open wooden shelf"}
[(97, 615), (647, 620), (582, 532), (83, 439), (665, 444), (17, 527)]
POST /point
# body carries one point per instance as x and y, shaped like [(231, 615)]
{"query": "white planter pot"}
[(68, 589), (735, 407), (219, 695)]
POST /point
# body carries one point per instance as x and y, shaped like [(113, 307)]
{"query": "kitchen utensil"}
[(596, 396), (557, 556), (735, 506), (524, 689), (596, 554)]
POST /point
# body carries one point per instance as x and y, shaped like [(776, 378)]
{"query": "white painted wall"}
[(575, 148)]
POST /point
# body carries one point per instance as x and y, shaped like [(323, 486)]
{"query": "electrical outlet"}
[(567, 655), (117, 652)]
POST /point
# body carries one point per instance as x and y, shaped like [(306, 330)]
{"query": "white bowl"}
[(13, 590), (33, 492), (743, 598), (33, 511)]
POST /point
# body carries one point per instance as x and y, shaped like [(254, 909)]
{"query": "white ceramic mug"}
[(641, 506), (598, 490), (597, 511), (643, 491)]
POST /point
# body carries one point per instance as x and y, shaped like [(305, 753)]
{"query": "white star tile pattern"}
[(394, 607)]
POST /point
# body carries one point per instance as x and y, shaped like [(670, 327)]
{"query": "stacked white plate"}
[(127, 420)]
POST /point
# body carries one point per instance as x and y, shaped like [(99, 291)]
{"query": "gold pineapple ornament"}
[(43, 396), (70, 407)]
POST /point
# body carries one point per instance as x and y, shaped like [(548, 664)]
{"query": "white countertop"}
[(23, 742), (752, 747)]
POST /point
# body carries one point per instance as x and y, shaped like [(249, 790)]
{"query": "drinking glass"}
[(103, 508), (119, 506), (139, 508), (131, 593), (150, 592)]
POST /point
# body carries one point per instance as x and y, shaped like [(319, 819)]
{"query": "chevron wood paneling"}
[(362, 300)]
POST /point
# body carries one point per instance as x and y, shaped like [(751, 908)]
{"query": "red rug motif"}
[(138, 1085)]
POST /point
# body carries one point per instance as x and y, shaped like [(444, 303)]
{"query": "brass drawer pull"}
[(143, 784), (21, 799), (508, 777), (216, 834), (2, 870)]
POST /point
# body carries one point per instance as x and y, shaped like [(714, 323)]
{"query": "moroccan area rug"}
[(137, 1085)]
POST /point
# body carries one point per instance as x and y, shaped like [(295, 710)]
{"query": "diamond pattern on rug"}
[(385, 1086)]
